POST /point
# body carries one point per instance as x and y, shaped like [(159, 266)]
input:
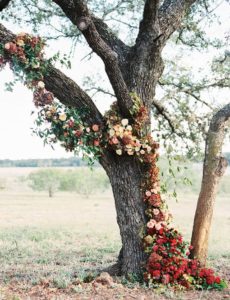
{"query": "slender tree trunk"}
[(50, 192), (126, 178), (213, 169)]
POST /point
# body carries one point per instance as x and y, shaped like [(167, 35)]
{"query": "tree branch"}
[(64, 88), (149, 28), (220, 119), (4, 4), (78, 12), (171, 13), (163, 111)]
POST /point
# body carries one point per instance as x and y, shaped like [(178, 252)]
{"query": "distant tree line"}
[(81, 180), (57, 162)]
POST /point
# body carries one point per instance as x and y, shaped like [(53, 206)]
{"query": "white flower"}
[(119, 152), (41, 85), (148, 193), (158, 226), (7, 46), (111, 132), (151, 223), (129, 127), (142, 151), (156, 211), (124, 122), (149, 149)]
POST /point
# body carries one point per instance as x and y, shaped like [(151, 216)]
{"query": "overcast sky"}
[(16, 121)]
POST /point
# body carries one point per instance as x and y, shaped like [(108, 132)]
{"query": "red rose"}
[(155, 248), (210, 280), (217, 280), (156, 273), (173, 242)]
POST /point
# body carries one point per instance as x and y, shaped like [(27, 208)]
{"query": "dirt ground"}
[(48, 246)]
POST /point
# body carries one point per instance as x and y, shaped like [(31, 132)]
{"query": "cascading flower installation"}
[(168, 261)]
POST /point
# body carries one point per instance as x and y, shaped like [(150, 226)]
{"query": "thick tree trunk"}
[(126, 178), (213, 169)]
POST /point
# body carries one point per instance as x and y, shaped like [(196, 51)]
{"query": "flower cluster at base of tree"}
[(168, 261)]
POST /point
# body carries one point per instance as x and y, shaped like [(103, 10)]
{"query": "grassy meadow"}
[(62, 239)]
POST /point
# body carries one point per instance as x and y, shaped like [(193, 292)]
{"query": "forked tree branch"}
[(149, 28), (78, 12), (64, 88)]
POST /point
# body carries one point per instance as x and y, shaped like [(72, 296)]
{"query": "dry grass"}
[(61, 239)]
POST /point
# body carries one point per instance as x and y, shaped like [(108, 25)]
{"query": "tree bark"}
[(126, 177), (213, 169)]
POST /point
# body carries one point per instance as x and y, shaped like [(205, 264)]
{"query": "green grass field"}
[(63, 238)]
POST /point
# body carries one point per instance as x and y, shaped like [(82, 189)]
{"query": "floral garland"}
[(168, 261)]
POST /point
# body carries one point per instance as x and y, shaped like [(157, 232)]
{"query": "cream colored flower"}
[(149, 239), (48, 114), (116, 127), (62, 117), (41, 85), (20, 43), (142, 151), (119, 152), (121, 129), (111, 132), (129, 146), (130, 152), (124, 122), (154, 191), (129, 127), (53, 109)]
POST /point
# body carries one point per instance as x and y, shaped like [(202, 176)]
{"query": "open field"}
[(49, 245)]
